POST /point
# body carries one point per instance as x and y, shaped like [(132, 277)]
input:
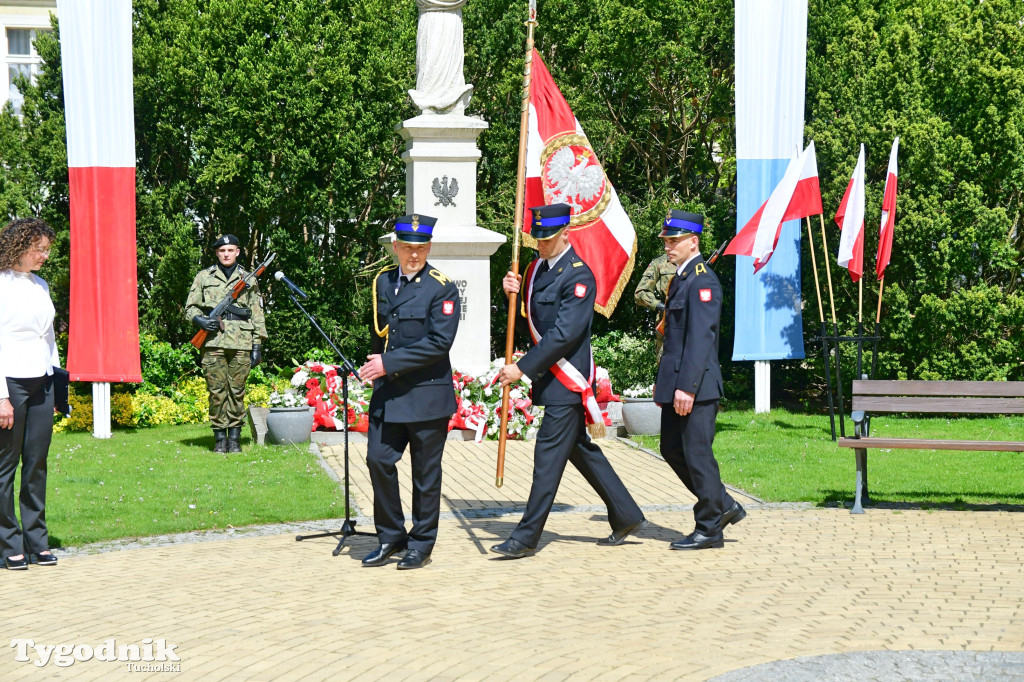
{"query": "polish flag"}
[(96, 58), (888, 214), (797, 196), (850, 217), (562, 168)]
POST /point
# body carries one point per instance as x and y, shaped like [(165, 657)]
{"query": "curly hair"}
[(18, 237)]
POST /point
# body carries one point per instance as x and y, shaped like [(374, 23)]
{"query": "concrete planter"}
[(288, 425), (641, 416)]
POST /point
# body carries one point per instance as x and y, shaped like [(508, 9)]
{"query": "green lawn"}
[(786, 457), (166, 480)]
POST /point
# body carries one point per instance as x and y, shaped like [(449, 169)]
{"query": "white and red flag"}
[(96, 59), (888, 225), (850, 217), (797, 196), (561, 167)]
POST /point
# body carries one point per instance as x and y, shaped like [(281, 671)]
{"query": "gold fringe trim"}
[(620, 286), (597, 430)]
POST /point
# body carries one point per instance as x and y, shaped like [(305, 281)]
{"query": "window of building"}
[(21, 59)]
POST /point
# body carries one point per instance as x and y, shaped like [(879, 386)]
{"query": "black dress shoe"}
[(385, 551), (618, 536), (513, 549), (46, 559), (16, 564), (735, 514), (414, 558), (697, 540)]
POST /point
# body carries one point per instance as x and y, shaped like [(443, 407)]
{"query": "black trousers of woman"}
[(28, 442)]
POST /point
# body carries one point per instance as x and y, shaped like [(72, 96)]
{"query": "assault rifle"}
[(200, 338)]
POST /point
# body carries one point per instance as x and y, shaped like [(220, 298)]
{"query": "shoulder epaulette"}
[(439, 276), (700, 269), (212, 269)]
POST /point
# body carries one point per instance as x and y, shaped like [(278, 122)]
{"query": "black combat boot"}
[(221, 436), (234, 434)]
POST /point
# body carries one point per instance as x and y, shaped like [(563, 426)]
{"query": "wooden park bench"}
[(945, 397)]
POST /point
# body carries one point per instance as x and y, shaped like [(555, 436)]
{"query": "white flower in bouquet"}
[(300, 378), (639, 391), (488, 391), (286, 399), (515, 394), (465, 393), (602, 373)]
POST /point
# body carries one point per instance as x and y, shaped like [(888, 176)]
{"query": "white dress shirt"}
[(28, 347)]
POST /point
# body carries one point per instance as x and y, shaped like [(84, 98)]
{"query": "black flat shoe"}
[(696, 540), (16, 564), (513, 549), (618, 536), (45, 559), (735, 514), (385, 551), (414, 558)]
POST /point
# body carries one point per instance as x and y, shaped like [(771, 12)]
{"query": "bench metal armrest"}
[(861, 424)]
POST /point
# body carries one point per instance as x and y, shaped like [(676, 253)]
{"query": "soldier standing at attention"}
[(652, 291), (689, 383), (558, 307), (416, 312), (234, 345)]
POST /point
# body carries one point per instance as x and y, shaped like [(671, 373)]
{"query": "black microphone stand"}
[(348, 526)]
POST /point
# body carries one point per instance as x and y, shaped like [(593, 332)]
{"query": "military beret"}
[(226, 240)]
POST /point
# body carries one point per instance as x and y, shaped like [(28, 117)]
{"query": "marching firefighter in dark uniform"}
[(558, 308), (416, 313), (234, 344), (689, 383)]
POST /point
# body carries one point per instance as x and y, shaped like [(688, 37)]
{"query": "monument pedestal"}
[(440, 181)]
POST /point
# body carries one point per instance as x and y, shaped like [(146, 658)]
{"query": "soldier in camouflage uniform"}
[(234, 344), (653, 290)]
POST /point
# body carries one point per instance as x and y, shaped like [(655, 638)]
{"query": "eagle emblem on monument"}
[(572, 175), (444, 191)]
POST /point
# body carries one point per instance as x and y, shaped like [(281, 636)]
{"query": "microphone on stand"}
[(280, 277)]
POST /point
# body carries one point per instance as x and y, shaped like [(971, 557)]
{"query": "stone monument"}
[(440, 176)]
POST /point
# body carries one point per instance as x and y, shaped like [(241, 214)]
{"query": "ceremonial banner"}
[(561, 167), (850, 217), (796, 197), (771, 46), (888, 225), (96, 58)]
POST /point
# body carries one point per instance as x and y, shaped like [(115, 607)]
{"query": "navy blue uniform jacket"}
[(689, 361), (421, 324), (562, 307)]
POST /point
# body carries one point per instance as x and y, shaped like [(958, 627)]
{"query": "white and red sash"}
[(567, 375)]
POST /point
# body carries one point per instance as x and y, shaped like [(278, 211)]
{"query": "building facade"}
[(20, 22)]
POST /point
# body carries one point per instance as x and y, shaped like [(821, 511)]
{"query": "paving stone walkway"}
[(792, 587)]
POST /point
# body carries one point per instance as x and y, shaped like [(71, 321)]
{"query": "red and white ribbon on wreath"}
[(567, 375)]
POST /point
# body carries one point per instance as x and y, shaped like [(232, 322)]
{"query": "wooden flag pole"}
[(814, 266), (881, 287), (828, 269), (513, 299)]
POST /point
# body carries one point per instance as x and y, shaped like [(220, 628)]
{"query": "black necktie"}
[(542, 268), (402, 281)]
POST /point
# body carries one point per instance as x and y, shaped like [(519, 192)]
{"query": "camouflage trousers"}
[(226, 371)]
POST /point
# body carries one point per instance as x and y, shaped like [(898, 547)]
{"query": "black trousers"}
[(686, 446), (386, 443), (563, 438), (28, 442)]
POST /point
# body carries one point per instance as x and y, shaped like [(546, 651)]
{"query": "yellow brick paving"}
[(789, 582)]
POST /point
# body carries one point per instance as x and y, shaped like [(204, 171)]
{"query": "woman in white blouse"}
[(28, 354)]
